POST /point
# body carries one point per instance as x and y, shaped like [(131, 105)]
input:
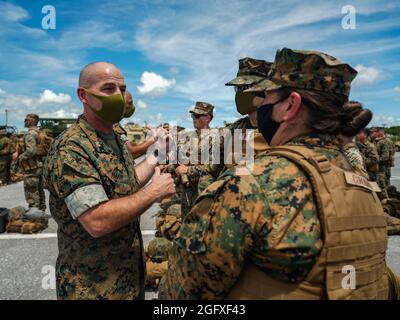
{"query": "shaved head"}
[(97, 71)]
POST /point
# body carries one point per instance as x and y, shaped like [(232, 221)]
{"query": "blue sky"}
[(174, 53)]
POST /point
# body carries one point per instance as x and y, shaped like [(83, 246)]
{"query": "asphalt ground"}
[(27, 261)]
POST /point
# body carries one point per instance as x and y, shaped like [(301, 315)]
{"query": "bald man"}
[(135, 150), (97, 195)]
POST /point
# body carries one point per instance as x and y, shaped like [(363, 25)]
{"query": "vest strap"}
[(350, 252), (355, 222)]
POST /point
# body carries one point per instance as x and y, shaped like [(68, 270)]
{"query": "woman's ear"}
[(293, 106)]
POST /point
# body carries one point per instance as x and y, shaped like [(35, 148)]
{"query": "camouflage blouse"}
[(110, 267), (268, 217)]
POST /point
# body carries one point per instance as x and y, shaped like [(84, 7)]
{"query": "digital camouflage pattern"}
[(169, 222), (250, 72), (391, 160), (118, 129), (203, 108), (110, 267), (197, 174), (243, 124), (307, 70), (34, 189), (157, 249), (383, 148), (355, 158), (6, 151), (370, 157), (269, 217), (28, 158), (32, 169)]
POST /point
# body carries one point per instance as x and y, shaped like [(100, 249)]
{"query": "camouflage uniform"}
[(355, 158), (250, 71), (81, 171), (32, 168), (371, 158), (383, 148), (198, 176), (268, 217), (6, 151), (218, 235), (391, 160), (118, 129)]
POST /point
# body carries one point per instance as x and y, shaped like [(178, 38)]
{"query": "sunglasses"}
[(196, 116), (260, 94)]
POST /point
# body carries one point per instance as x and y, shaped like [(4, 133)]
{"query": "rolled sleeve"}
[(85, 198)]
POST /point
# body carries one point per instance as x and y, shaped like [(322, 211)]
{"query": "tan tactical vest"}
[(354, 234)]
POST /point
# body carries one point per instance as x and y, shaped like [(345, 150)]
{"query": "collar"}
[(316, 140), (94, 138)]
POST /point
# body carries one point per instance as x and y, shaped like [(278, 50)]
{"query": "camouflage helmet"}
[(175, 210), (312, 70), (157, 249), (250, 71)]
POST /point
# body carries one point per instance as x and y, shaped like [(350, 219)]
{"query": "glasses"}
[(260, 94), (196, 116)]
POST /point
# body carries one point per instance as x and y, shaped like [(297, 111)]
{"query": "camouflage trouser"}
[(33, 188), (381, 180), (5, 169)]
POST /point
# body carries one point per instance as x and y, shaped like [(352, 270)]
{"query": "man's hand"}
[(162, 185), (182, 169), (15, 156)]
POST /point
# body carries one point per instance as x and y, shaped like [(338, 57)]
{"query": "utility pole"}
[(7, 117)]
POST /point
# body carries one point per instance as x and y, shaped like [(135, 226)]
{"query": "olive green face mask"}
[(113, 107), (244, 102), (129, 110)]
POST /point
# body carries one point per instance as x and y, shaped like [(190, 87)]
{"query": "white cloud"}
[(12, 13), (384, 120), (61, 113), (397, 89), (367, 75), (43, 105), (154, 85), (48, 96), (156, 119), (141, 104)]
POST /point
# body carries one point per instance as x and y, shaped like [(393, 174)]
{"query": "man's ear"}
[(82, 95), (293, 106)]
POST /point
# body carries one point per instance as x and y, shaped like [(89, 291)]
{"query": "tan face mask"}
[(129, 110), (244, 102), (113, 107)]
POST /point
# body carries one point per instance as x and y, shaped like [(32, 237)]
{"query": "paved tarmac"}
[(27, 261)]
